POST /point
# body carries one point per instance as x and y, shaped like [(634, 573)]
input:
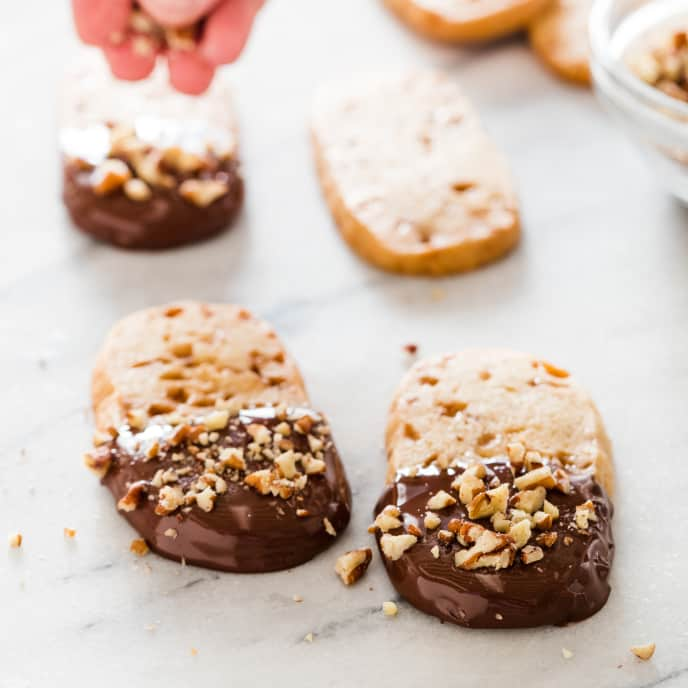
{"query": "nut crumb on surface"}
[(566, 653), (308, 637), (15, 540), (139, 547), (297, 598), (411, 349), (351, 565), (644, 652), (194, 651), (69, 533), (389, 608)]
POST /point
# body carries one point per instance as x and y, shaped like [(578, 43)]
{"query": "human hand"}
[(195, 36)]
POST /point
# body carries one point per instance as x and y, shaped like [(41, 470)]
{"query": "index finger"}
[(227, 30)]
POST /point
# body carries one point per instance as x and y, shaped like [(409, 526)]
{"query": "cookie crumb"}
[(411, 349), (308, 637), (139, 547), (389, 608), (194, 651), (15, 540), (644, 652), (297, 598), (69, 533), (566, 653)]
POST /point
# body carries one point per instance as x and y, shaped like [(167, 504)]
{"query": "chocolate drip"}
[(568, 584)]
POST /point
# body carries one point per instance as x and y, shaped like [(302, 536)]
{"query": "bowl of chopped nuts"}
[(639, 61)]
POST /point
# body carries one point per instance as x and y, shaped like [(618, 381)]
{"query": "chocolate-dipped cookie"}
[(497, 511), (145, 167), (208, 444)]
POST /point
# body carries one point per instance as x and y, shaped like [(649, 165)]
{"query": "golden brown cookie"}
[(496, 513), (465, 20), (414, 183), (187, 358), (473, 404), (559, 36), (207, 443)]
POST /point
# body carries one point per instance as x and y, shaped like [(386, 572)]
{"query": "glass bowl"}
[(656, 122)]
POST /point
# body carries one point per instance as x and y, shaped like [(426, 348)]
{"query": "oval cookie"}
[(465, 20), (187, 357), (207, 442), (497, 511), (414, 183), (145, 167), (559, 36)]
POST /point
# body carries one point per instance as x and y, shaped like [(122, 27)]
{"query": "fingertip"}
[(189, 72), (227, 31), (128, 61)]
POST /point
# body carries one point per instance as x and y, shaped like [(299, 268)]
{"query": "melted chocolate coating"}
[(163, 221), (246, 532), (568, 584)]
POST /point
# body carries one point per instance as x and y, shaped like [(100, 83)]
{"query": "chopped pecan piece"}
[(352, 565), (531, 553), (441, 500), (131, 499), (488, 503), (538, 477), (584, 514), (393, 546), (388, 519)]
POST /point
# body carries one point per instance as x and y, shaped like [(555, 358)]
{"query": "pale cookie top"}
[(161, 116), (562, 32), (456, 408), (190, 358), (411, 161)]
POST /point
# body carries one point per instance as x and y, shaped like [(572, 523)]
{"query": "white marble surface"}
[(599, 285)]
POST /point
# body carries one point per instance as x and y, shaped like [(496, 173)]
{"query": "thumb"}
[(174, 13)]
